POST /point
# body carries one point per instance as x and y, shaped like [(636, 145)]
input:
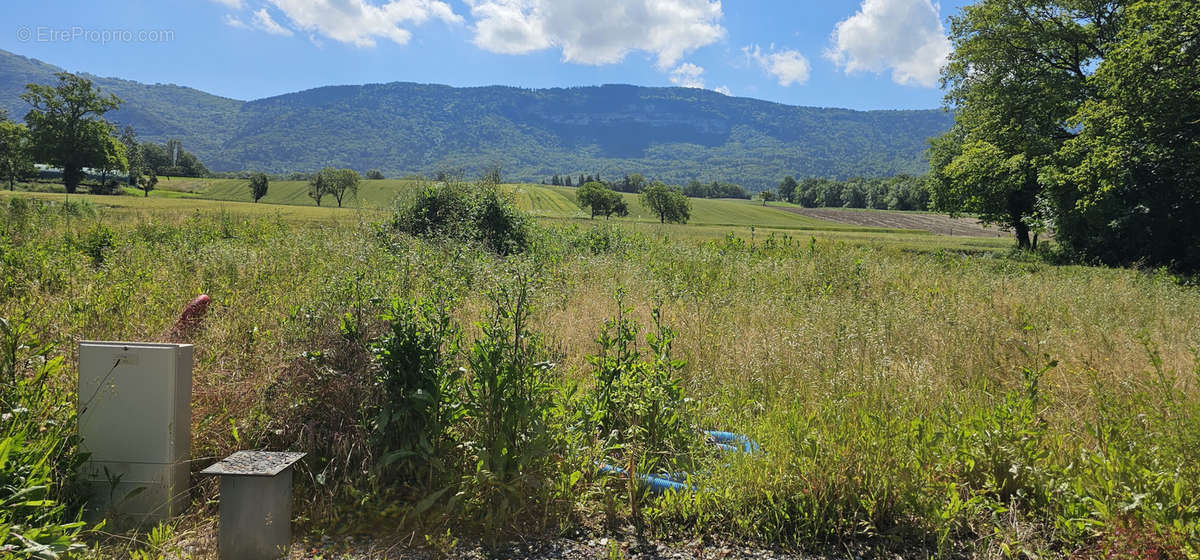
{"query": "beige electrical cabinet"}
[(135, 425)]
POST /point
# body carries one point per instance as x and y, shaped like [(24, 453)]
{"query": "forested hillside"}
[(670, 134)]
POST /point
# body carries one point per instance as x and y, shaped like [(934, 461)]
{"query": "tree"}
[(67, 127), (318, 186), (669, 203), (334, 182), (374, 175), (767, 196), (1128, 185), (174, 151), (115, 159), (1019, 70), (345, 181), (147, 182), (258, 185), (636, 183), (787, 188), (601, 200), (154, 157), (16, 157)]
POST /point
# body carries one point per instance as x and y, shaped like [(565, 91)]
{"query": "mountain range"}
[(400, 128)]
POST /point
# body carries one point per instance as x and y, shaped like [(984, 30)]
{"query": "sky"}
[(858, 54)]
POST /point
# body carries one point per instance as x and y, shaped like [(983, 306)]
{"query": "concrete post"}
[(256, 504)]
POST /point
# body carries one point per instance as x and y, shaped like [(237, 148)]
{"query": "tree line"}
[(902, 192), (636, 183), (66, 129)]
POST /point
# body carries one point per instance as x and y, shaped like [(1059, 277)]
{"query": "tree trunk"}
[(71, 177), (1021, 230)]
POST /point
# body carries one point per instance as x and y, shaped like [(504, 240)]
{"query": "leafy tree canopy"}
[(67, 127)]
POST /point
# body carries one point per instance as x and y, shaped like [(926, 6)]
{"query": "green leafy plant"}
[(638, 408), (506, 401), (418, 386), (37, 453)]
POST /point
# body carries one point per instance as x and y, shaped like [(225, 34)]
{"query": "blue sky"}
[(860, 54)]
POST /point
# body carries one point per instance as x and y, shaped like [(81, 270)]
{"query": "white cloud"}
[(723, 90), (235, 4), (688, 75), (263, 21), (594, 32), (234, 21), (788, 66), (905, 36), (360, 22)]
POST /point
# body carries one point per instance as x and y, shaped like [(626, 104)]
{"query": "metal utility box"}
[(135, 423), (256, 504)]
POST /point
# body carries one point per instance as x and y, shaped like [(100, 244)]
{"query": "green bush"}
[(471, 212)]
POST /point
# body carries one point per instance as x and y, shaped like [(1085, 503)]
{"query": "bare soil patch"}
[(940, 224)]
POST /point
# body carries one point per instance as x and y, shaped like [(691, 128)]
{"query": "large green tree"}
[(787, 188), (1019, 70), (668, 203), (67, 125), (16, 157), (1131, 178)]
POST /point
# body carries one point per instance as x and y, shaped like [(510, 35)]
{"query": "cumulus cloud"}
[(592, 32), (360, 22), (723, 90), (788, 66), (263, 21), (688, 75), (905, 36)]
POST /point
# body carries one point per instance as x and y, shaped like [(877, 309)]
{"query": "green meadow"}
[(912, 393)]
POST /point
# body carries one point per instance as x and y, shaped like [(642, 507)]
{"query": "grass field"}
[(540, 200), (915, 394), (552, 203)]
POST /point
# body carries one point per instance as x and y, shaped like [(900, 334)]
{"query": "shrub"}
[(96, 243), (477, 213)]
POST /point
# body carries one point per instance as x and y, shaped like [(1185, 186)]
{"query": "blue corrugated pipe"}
[(659, 483), (730, 441), (656, 484)]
